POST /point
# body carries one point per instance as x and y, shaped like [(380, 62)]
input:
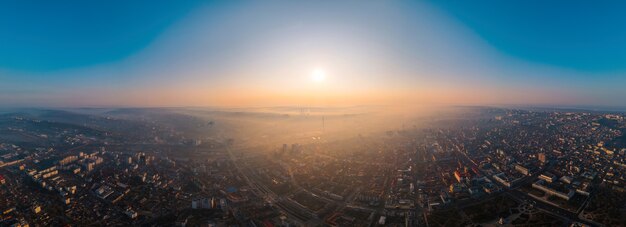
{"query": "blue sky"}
[(581, 35), (43, 36), (201, 53)]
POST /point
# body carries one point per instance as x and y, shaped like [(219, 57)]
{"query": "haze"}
[(312, 113)]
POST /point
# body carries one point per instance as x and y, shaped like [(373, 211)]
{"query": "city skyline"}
[(247, 53), (312, 113)]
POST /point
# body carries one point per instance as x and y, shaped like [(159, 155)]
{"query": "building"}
[(548, 177), (459, 176), (45, 166), (542, 157), (131, 213), (566, 179), (68, 160), (502, 179), (522, 169), (559, 190), (37, 209), (381, 220), (49, 174)]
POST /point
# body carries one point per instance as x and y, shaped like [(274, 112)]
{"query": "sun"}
[(318, 75)]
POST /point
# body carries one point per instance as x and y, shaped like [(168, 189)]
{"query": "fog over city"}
[(312, 113)]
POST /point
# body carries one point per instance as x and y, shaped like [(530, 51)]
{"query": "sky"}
[(271, 53)]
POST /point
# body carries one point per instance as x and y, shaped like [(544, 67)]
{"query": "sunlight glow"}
[(318, 75)]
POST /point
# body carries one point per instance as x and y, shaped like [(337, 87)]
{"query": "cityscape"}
[(312, 113), (151, 167)]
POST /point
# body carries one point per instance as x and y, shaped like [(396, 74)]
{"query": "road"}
[(263, 192)]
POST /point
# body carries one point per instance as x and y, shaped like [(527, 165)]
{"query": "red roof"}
[(267, 223)]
